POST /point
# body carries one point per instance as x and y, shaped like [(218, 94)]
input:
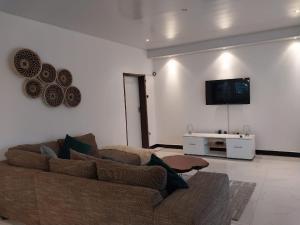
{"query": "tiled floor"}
[(276, 200)]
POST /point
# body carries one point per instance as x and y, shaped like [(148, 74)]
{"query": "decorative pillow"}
[(46, 151), (143, 153), (174, 181), (86, 139), (76, 145), (119, 156), (77, 168), (146, 176), (27, 159), (36, 147)]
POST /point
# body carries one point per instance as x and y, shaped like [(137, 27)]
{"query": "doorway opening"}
[(136, 114)]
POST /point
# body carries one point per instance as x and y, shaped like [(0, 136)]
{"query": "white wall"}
[(97, 66), (274, 112)]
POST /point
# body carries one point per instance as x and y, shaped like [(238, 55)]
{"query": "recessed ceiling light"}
[(297, 11), (147, 40)]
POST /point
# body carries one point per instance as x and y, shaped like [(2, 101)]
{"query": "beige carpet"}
[(240, 194)]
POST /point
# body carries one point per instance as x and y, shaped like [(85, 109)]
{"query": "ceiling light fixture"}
[(147, 40), (297, 11)]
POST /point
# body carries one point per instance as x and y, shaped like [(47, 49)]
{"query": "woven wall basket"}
[(48, 73), (53, 95), (27, 63), (64, 78), (72, 97), (33, 88)]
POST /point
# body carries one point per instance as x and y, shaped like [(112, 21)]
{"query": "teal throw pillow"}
[(72, 143), (174, 181)]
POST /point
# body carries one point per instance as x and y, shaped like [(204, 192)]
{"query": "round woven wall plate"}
[(27, 63), (72, 97), (33, 88), (48, 73), (64, 78), (53, 95)]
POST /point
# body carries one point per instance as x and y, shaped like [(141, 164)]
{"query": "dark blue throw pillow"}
[(174, 181), (72, 143)]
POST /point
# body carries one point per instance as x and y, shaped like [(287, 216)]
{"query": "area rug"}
[(240, 194)]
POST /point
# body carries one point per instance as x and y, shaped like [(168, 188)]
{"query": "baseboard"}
[(278, 153), (258, 152), (167, 146)]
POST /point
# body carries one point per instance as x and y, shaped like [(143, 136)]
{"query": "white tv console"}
[(220, 145)]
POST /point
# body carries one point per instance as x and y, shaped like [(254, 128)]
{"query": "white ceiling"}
[(164, 22)]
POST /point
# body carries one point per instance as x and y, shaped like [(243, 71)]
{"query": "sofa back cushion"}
[(74, 155), (119, 156), (36, 147), (27, 159), (87, 139), (77, 168), (143, 153), (145, 176)]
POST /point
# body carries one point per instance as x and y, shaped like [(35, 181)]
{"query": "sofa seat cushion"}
[(73, 143), (36, 147), (77, 168), (146, 176), (86, 139), (27, 159)]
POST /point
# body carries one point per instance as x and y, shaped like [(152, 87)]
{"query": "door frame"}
[(143, 107)]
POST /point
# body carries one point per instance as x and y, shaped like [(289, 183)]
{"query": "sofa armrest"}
[(205, 202), (67, 200), (119, 156)]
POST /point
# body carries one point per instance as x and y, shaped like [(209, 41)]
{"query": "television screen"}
[(232, 91)]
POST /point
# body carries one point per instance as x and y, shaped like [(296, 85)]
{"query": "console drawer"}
[(194, 145), (240, 148)]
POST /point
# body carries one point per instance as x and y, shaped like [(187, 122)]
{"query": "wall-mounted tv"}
[(228, 92)]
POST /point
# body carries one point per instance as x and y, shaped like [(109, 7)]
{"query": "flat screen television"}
[(228, 92)]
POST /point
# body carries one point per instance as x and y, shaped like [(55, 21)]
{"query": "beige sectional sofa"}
[(39, 197)]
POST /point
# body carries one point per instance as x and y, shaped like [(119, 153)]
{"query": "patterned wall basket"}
[(33, 88), (72, 97), (48, 73), (53, 95), (64, 78), (27, 63)]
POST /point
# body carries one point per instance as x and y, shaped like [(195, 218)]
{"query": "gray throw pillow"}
[(46, 151)]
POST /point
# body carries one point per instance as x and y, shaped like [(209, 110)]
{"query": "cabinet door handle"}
[(238, 147), (192, 144)]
